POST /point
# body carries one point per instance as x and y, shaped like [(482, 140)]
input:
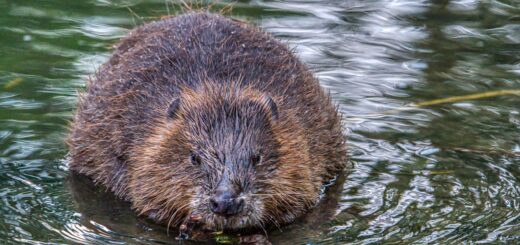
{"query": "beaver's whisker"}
[(263, 228), (271, 218), (174, 216)]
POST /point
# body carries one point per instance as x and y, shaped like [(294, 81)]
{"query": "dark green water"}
[(446, 173)]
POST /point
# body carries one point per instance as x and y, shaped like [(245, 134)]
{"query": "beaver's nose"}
[(226, 203)]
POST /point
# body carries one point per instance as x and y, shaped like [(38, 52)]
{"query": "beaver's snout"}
[(226, 202)]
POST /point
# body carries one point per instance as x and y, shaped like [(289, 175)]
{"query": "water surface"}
[(445, 173)]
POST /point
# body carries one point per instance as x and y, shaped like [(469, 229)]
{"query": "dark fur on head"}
[(191, 103), (235, 135)]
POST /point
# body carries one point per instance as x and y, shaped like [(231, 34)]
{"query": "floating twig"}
[(476, 96)]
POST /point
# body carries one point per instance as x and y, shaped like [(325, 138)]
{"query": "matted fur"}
[(225, 76)]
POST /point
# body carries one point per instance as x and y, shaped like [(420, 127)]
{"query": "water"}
[(445, 173)]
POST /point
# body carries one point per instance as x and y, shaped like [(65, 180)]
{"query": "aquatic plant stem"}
[(467, 97)]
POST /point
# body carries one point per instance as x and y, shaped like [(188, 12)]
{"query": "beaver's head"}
[(227, 155)]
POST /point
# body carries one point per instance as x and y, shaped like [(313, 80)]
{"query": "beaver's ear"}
[(271, 106), (171, 113)]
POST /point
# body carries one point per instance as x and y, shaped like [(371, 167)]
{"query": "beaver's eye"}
[(256, 159), (195, 159)]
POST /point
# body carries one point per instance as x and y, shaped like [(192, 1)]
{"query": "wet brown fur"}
[(123, 139)]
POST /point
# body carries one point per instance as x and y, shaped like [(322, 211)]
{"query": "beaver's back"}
[(149, 68)]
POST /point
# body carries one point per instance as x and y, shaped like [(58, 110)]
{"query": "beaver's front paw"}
[(254, 240)]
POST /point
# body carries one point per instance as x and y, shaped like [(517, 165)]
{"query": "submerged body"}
[(202, 116)]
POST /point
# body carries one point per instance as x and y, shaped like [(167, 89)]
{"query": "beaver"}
[(202, 117)]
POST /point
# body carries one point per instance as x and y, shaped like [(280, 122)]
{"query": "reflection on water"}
[(444, 173)]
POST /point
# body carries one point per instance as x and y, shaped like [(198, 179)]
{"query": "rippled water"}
[(445, 173)]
